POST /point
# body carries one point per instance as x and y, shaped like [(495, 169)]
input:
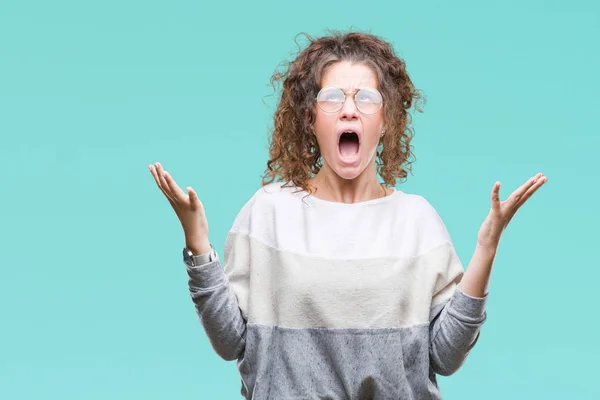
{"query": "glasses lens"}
[(368, 101), (331, 99)]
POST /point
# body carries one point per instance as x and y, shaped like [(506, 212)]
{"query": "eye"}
[(332, 94), (367, 96)]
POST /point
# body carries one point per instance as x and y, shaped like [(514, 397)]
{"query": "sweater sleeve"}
[(220, 291), (455, 318), (217, 307), (454, 330)]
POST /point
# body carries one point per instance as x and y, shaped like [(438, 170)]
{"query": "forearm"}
[(217, 307), (454, 332), (476, 279), (197, 244)]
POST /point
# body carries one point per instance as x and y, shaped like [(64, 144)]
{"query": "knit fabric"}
[(325, 300)]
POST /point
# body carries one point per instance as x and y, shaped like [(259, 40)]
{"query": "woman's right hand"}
[(188, 207)]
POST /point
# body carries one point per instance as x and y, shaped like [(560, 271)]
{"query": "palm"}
[(188, 208), (501, 213)]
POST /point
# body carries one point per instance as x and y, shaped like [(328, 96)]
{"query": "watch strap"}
[(197, 260), (203, 258)]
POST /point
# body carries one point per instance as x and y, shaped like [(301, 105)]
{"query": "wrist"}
[(488, 249), (198, 246)]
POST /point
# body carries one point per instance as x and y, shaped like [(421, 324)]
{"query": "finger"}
[(152, 169), (516, 196), (163, 182), (174, 188), (194, 200), (496, 196), (538, 184), (154, 172), (156, 175)]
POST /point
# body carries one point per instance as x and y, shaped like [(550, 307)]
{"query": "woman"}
[(336, 286)]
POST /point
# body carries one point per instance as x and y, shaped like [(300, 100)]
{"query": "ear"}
[(383, 126)]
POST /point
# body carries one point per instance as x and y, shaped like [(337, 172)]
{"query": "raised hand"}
[(502, 212), (188, 207)]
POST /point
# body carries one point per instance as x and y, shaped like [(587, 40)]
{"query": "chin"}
[(348, 177), (348, 172)]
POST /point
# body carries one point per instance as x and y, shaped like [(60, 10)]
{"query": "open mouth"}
[(348, 144)]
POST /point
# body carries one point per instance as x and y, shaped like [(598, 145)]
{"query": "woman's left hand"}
[(502, 212)]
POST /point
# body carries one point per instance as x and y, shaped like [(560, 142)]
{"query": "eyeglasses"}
[(331, 99)]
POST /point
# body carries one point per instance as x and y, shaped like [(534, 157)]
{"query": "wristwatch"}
[(194, 261)]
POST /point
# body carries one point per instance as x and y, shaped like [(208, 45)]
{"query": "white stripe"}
[(281, 288), (401, 225)]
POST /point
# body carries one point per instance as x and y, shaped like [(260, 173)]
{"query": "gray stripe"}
[(292, 364)]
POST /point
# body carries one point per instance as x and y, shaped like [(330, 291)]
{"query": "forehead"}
[(348, 76)]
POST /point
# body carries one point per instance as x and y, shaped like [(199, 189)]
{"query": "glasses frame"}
[(353, 93)]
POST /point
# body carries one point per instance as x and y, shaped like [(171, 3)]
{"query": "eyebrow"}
[(357, 88)]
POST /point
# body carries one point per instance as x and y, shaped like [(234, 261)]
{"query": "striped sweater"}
[(326, 300)]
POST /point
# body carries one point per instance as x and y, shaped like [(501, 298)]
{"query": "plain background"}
[(93, 290)]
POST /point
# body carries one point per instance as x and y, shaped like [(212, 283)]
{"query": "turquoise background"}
[(93, 291)]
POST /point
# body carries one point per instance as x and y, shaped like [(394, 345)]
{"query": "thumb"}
[(496, 196), (193, 196)]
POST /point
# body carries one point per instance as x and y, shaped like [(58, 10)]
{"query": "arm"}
[(455, 329), (456, 314), (477, 277), (213, 297), (220, 295), (217, 307)]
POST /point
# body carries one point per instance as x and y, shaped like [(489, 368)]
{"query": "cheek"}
[(324, 126), (324, 120), (374, 127), (377, 121)]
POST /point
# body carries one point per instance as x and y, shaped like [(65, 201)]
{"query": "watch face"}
[(187, 257)]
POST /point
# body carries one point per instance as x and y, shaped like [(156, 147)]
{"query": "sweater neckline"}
[(387, 198)]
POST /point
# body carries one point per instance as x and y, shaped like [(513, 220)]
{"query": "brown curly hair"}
[(294, 151)]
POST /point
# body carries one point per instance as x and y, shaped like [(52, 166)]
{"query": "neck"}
[(331, 187)]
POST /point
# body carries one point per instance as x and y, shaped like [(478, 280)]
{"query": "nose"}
[(349, 110)]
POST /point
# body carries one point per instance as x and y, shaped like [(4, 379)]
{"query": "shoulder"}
[(274, 193), (263, 201), (418, 206), (427, 220), (273, 190)]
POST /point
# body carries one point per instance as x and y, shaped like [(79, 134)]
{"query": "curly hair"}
[(294, 153)]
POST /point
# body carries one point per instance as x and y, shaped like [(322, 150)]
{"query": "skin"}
[(476, 280), (337, 181), (188, 208), (355, 183)]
